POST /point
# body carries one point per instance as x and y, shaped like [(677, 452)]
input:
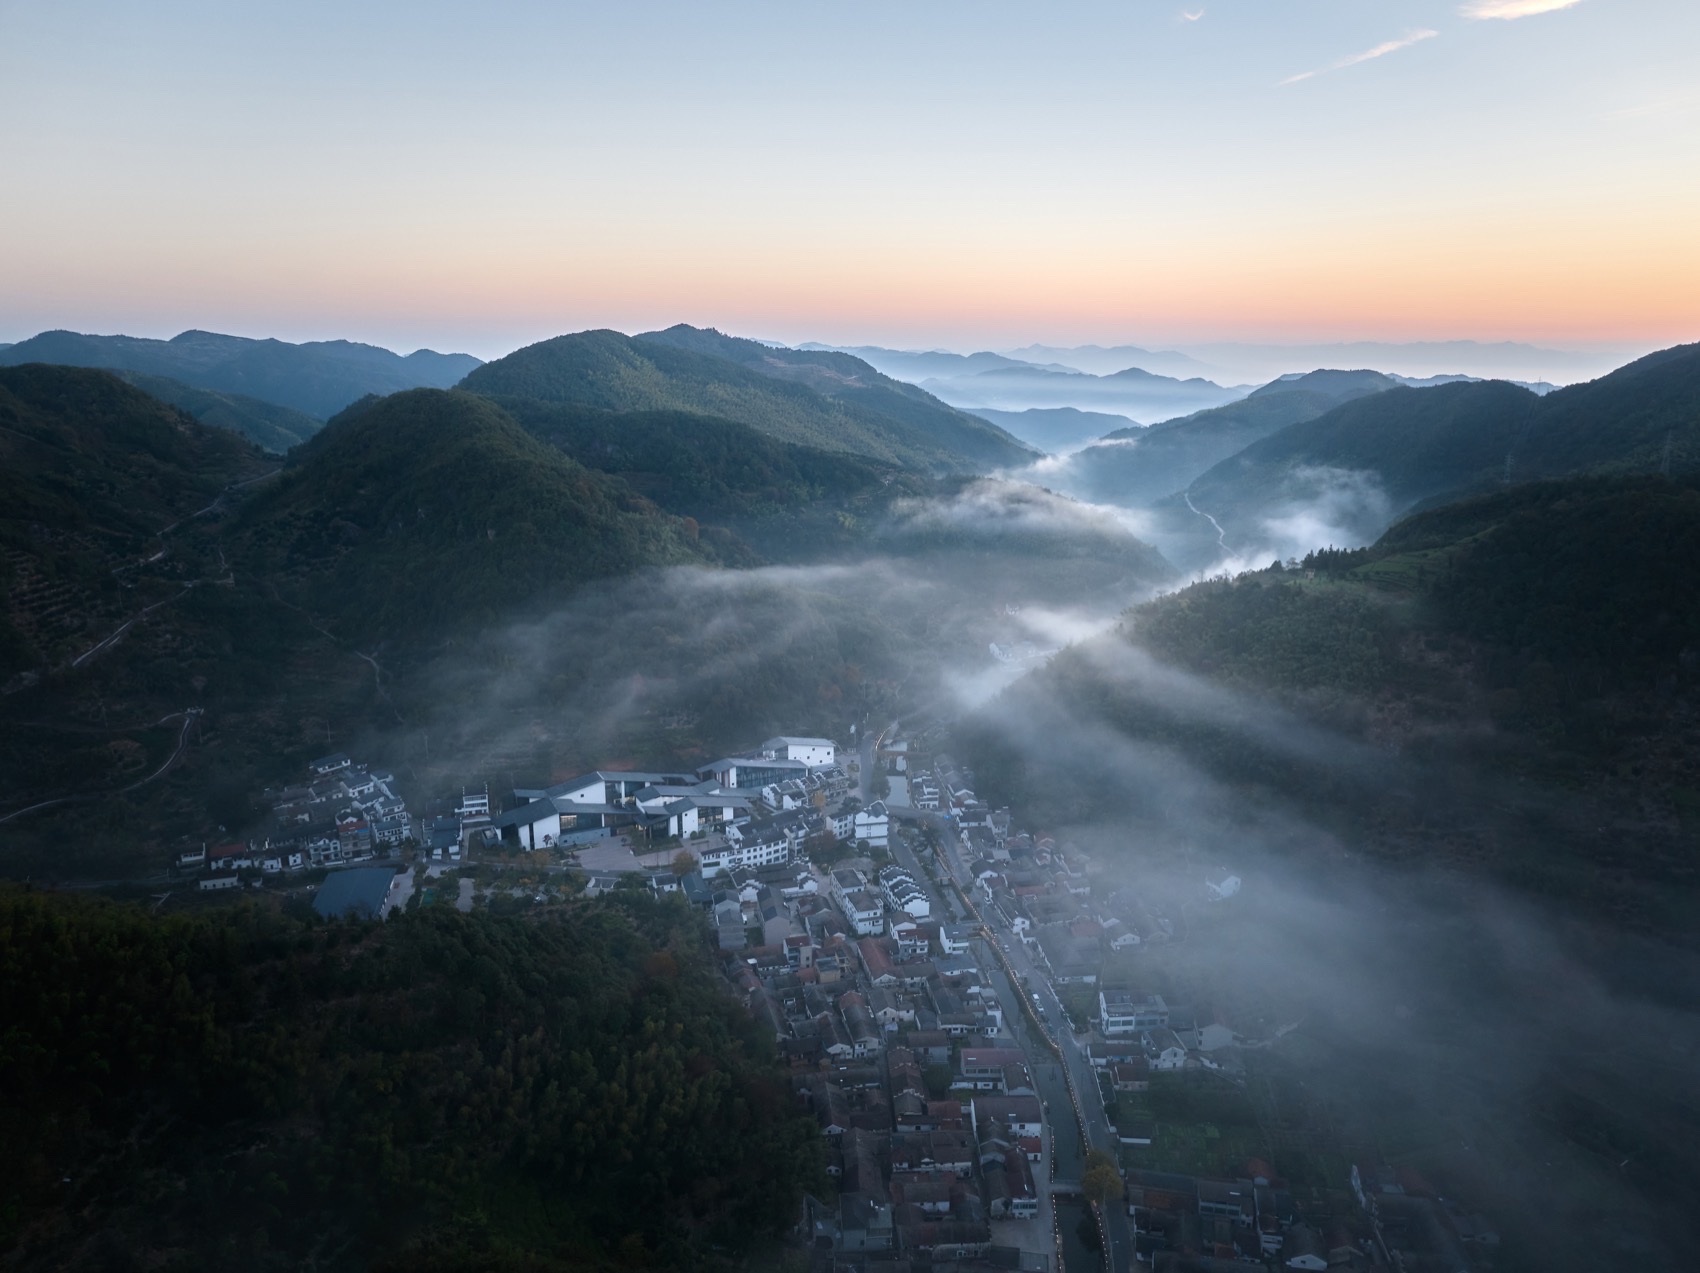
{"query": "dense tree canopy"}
[(249, 1090)]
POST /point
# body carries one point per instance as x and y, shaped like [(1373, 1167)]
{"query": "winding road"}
[(189, 714)]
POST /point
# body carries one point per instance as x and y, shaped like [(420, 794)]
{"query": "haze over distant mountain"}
[(1346, 475), (1140, 395), (318, 378), (1097, 360), (826, 400), (1134, 467), (915, 366), (273, 427), (1056, 428), (1499, 360)]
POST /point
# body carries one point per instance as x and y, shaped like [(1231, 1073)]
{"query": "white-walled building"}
[(750, 846), (811, 751), (873, 824), (1123, 1012)]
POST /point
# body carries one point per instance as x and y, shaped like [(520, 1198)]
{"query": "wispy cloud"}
[(1508, 10), (1381, 50), (1191, 15)]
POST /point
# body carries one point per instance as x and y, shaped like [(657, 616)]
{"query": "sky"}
[(930, 173)]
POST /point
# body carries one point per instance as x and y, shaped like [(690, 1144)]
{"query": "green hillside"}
[(882, 421), (403, 530), (852, 383), (91, 470), (1455, 772), (266, 424), (1642, 417), (1411, 446), (788, 501), (1418, 443), (440, 476), (1136, 467), (572, 1090), (1544, 634)]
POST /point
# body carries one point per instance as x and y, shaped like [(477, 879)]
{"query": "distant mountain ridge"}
[(1408, 447), (271, 426), (914, 365), (1135, 467), (1141, 395), (826, 400), (1057, 428), (318, 378), (1099, 361)]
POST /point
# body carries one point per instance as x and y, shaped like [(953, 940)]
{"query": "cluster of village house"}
[(868, 992), (878, 1117), (754, 810), (344, 813)]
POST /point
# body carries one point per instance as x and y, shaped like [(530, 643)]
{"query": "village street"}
[(1065, 1154), (1047, 1073)]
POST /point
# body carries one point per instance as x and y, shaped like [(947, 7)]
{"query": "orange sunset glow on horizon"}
[(922, 179)]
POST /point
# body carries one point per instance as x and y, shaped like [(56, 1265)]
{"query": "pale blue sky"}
[(909, 173)]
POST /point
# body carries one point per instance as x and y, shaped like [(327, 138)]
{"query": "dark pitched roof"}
[(360, 893)]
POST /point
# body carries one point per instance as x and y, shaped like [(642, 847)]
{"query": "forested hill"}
[(265, 423), (1417, 442), (863, 414), (83, 449), (1462, 763), (1643, 416), (1135, 467), (1547, 635), (846, 379), (505, 521), (250, 1090), (91, 471), (789, 502), (318, 378), (1407, 446)]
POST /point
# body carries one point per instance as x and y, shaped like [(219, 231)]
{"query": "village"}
[(964, 1005)]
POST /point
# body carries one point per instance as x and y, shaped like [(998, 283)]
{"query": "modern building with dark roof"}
[(363, 894)]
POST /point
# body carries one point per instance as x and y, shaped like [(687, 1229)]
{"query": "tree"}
[(1102, 1180), (823, 847), (684, 862)]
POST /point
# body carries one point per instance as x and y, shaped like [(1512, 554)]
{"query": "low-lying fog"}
[(1538, 1065)]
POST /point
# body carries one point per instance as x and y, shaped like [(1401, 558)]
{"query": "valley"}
[(1458, 724)]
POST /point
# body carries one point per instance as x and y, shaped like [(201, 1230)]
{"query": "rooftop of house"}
[(358, 893)]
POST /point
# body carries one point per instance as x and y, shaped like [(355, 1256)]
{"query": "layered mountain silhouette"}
[(1057, 428), (1408, 447), (830, 401), (1140, 395), (1134, 467), (317, 379)]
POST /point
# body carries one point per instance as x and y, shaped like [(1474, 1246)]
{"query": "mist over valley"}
[(1412, 666)]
